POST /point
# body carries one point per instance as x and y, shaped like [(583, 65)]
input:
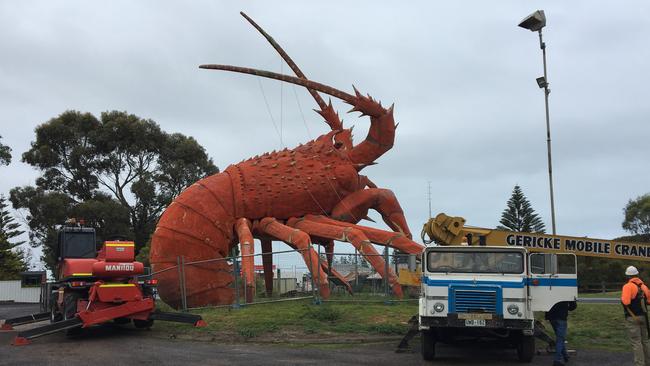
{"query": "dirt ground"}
[(125, 345)]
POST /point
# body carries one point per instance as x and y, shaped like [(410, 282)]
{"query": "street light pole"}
[(547, 91), (535, 22)]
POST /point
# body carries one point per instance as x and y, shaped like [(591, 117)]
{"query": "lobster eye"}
[(337, 144)]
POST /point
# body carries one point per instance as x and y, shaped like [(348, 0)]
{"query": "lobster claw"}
[(367, 106)]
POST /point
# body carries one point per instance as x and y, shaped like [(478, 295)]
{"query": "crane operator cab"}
[(76, 249), (76, 242), (471, 292)]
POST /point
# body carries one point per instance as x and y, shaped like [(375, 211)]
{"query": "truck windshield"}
[(475, 262)]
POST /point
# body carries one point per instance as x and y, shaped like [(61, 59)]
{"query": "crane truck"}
[(478, 282), (94, 287)]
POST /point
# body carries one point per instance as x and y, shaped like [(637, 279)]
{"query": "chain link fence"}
[(279, 276)]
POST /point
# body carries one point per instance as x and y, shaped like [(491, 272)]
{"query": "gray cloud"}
[(462, 76)]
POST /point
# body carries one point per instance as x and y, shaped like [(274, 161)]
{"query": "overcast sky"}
[(461, 75)]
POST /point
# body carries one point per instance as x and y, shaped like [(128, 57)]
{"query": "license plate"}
[(475, 316), (474, 322)]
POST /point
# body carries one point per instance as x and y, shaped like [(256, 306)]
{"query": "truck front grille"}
[(475, 301)]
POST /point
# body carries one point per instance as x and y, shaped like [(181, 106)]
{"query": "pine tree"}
[(5, 154), (519, 215), (12, 259)]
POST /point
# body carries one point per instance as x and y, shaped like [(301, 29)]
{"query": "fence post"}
[(180, 266), (330, 264), (245, 285), (386, 271), (319, 269), (311, 274), (184, 284), (236, 273), (317, 283), (180, 279), (356, 270), (396, 258)]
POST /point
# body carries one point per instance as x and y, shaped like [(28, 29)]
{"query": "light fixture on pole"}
[(535, 22)]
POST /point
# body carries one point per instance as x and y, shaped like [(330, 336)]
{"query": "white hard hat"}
[(631, 271)]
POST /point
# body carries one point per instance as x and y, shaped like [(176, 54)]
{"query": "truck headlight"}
[(438, 307), (513, 309)]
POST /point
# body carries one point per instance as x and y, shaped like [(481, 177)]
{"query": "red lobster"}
[(310, 194)]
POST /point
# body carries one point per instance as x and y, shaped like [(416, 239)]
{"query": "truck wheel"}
[(70, 310), (141, 324), (55, 315), (428, 345), (526, 348), (70, 305), (121, 321)]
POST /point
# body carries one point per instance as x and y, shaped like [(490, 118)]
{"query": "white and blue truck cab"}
[(471, 292)]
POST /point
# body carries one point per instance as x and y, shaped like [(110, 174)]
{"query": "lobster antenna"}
[(286, 78), (334, 122)]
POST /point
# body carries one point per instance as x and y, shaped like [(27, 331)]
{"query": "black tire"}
[(121, 321), (428, 345), (526, 348), (55, 314), (142, 324), (70, 304), (70, 310)]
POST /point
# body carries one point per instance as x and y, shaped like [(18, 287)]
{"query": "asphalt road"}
[(11, 310), (114, 345)]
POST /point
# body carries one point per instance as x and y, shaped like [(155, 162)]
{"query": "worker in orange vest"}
[(635, 297)]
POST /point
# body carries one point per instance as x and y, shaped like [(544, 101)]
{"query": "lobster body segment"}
[(309, 179), (312, 194)]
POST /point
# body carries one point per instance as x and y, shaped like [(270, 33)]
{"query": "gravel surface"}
[(115, 345)]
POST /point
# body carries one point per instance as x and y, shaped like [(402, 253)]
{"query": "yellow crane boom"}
[(450, 230)]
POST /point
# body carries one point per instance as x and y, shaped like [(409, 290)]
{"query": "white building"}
[(27, 289)]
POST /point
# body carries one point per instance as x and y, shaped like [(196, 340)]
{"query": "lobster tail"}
[(196, 227)]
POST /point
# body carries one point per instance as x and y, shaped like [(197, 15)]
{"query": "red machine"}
[(95, 287)]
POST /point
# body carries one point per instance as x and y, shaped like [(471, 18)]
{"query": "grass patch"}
[(602, 294), (598, 326), (247, 332), (303, 317), (591, 326), (323, 313)]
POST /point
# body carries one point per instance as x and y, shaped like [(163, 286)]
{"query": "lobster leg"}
[(394, 240), (355, 206), (334, 275), (329, 253), (267, 262), (357, 238), (299, 240), (243, 228)]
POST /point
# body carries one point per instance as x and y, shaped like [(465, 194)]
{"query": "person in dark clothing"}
[(557, 316)]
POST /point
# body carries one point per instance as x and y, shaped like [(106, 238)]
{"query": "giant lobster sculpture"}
[(312, 194)]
